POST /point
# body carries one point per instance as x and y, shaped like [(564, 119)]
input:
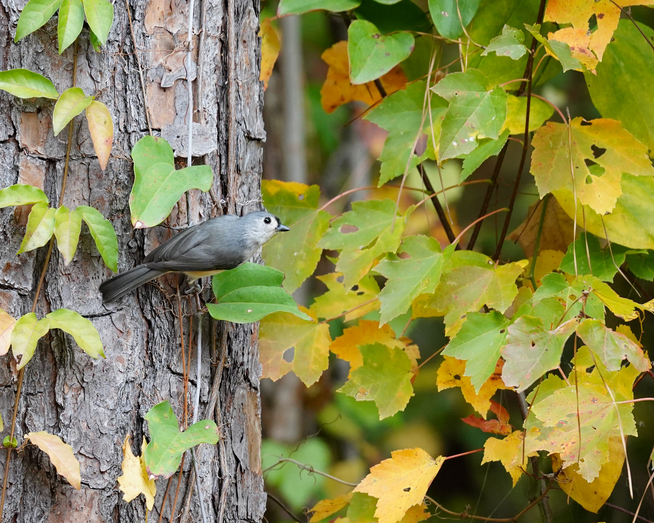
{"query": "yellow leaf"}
[(7, 323), (135, 479), (339, 299), (346, 347), (101, 128), (270, 46), (626, 330), (510, 452), (400, 483), (547, 262), (325, 508), (591, 496), (579, 42), (60, 454), (451, 374), (337, 89), (621, 307), (416, 514)]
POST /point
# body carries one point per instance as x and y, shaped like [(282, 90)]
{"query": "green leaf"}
[(35, 15), (163, 454), (621, 89), (531, 350), (71, 103), (483, 152), (372, 54), (68, 226), (555, 285), (539, 112), (384, 377), (401, 115), (71, 22), (448, 15), (100, 17), (378, 231), (298, 7), (641, 264), (418, 272), (23, 83), (339, 299), (156, 191), (103, 234), (94, 41), (510, 43), (78, 327), (474, 112), (296, 252), (603, 262), (249, 292), (478, 342), (40, 226), (26, 334), (21, 194), (8, 442), (149, 151), (401, 16), (560, 50)]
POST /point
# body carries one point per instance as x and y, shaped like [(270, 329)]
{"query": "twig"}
[(628, 15), (309, 469), (437, 204), (284, 508)]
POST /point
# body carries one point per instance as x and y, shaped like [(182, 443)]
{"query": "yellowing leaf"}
[(40, 226), (610, 149), (593, 495), (325, 508), (7, 324), (346, 346), (516, 111), (101, 128), (339, 299), (26, 334), (400, 482), (451, 374), (270, 46), (338, 90), (578, 13), (384, 377), (135, 479), (282, 331), (68, 226), (508, 451), (60, 454)]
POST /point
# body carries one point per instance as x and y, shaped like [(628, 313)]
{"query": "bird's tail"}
[(121, 284)]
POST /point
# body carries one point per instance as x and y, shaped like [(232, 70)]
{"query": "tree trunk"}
[(93, 404)]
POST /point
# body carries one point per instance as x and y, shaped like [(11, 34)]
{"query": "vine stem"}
[(21, 374)]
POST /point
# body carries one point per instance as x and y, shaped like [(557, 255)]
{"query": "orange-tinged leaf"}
[(509, 452), (270, 46), (579, 42), (451, 374), (579, 12), (282, 331), (602, 142), (346, 346), (60, 454), (325, 508), (338, 90), (400, 482), (494, 426), (135, 479), (592, 496), (7, 323), (101, 128)]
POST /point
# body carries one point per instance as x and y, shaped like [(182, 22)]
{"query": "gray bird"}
[(202, 250)]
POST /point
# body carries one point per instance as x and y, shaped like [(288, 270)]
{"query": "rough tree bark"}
[(91, 404)]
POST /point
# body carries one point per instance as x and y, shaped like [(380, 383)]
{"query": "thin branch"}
[(447, 226), (627, 13), (309, 469), (284, 508)]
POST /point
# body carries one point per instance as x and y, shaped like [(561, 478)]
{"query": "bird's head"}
[(259, 227)]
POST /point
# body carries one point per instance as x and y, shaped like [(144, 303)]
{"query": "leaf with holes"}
[(34, 15), (26, 84), (80, 328), (357, 301), (40, 226), (71, 103), (163, 454), (60, 454)]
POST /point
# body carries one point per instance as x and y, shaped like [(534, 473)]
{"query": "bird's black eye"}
[(266, 219)]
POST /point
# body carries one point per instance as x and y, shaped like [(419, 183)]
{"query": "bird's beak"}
[(282, 228)]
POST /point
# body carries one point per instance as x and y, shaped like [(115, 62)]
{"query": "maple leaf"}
[(510, 43), (378, 231), (347, 346), (282, 331), (451, 374), (592, 259), (494, 426), (510, 452), (531, 350), (582, 41), (400, 482), (270, 46), (574, 296), (338, 89), (339, 299), (415, 273), (384, 377), (325, 508), (610, 148), (135, 479)]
